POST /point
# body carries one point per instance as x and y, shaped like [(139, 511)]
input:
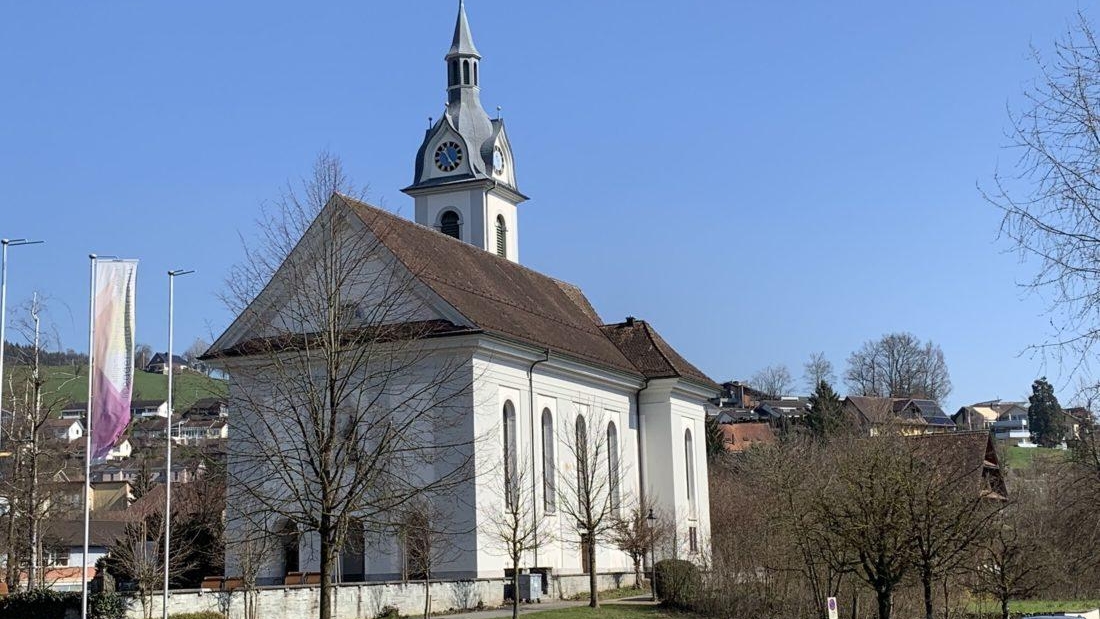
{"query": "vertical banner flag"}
[(113, 343)]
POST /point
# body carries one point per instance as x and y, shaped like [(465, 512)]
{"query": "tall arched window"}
[(475, 74), (465, 71), (549, 488), (689, 469), (511, 468), (502, 237), (613, 466), (452, 73), (581, 437), (450, 224)]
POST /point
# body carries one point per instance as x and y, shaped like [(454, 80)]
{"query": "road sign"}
[(832, 608)]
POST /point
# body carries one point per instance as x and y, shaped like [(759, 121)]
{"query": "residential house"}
[(875, 415), (64, 430), (784, 412), (149, 408), (159, 363), (200, 430), (936, 420), (965, 455), (739, 437), (978, 416), (63, 556), (1012, 422), (208, 407)]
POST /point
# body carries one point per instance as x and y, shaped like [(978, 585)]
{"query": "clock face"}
[(448, 156), (498, 161)]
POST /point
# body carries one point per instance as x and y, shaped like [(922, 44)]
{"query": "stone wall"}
[(366, 600)]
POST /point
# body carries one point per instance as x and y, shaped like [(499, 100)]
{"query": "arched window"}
[(549, 488), (689, 468), (502, 237), (581, 450), (511, 468), (475, 74), (613, 466), (450, 225), (452, 73), (465, 71)]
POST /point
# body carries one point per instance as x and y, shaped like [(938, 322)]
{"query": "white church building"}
[(538, 358)]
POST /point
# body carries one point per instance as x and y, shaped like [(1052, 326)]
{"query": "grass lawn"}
[(614, 594), (1031, 607), (610, 611), (1025, 457)]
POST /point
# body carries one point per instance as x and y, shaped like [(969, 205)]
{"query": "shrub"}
[(35, 603), (106, 605), (677, 582), (389, 612), (206, 614)]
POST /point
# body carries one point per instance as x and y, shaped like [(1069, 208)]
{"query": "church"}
[(535, 366)]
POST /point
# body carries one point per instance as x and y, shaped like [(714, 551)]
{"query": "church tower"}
[(465, 180)]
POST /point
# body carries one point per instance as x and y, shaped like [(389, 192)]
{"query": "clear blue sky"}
[(760, 180)]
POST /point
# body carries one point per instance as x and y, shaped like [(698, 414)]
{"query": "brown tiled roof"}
[(737, 437), (651, 354), (503, 298), (880, 410), (494, 293), (964, 454), (71, 532)]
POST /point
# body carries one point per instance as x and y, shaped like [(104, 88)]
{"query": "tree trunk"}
[(593, 592), (515, 586), (885, 603), (637, 571), (926, 585), (326, 566), (1004, 607), (427, 594)]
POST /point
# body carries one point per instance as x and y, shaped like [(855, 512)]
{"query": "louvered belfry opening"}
[(502, 238), (450, 225)]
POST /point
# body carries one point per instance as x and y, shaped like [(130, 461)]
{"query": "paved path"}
[(526, 609)]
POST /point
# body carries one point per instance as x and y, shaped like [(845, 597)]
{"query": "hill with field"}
[(69, 383)]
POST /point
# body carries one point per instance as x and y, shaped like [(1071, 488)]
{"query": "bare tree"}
[(346, 413), (1051, 199), (898, 365), (774, 380), (37, 457), (428, 536), (1012, 558), (589, 498), (817, 369), (194, 353), (143, 353), (638, 530), (138, 555), (512, 521)]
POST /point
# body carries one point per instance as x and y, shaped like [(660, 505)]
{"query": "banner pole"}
[(88, 440)]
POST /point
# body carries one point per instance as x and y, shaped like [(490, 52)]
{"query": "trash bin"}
[(530, 587)]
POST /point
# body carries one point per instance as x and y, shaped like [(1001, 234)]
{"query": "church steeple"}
[(465, 181), (463, 60)]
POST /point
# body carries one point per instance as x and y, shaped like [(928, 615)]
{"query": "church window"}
[(465, 71), (511, 468), (689, 469), (475, 74), (502, 237), (450, 225), (549, 489), (581, 449), (613, 466), (452, 73)]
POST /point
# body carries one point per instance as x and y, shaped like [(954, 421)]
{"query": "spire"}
[(463, 43)]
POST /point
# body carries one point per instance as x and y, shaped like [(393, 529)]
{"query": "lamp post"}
[(168, 433), (4, 311), (650, 521)]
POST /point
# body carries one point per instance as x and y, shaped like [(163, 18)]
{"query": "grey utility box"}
[(530, 587)]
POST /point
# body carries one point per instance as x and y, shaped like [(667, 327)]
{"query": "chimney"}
[(630, 321)]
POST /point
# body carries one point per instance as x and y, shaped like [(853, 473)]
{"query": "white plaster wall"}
[(566, 395)]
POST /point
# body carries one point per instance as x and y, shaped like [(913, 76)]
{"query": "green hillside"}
[(70, 384)]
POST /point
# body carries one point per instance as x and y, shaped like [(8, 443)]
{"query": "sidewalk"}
[(526, 609)]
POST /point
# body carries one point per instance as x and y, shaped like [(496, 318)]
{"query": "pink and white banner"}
[(113, 346)]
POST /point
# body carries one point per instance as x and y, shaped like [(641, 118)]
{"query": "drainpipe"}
[(641, 445), (534, 478)]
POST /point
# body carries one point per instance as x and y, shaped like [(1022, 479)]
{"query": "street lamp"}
[(4, 310), (650, 521), (168, 432)]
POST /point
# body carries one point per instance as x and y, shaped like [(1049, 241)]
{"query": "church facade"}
[(539, 367)]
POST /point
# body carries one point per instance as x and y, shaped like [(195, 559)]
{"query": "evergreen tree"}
[(826, 416), (716, 443), (1045, 416)]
